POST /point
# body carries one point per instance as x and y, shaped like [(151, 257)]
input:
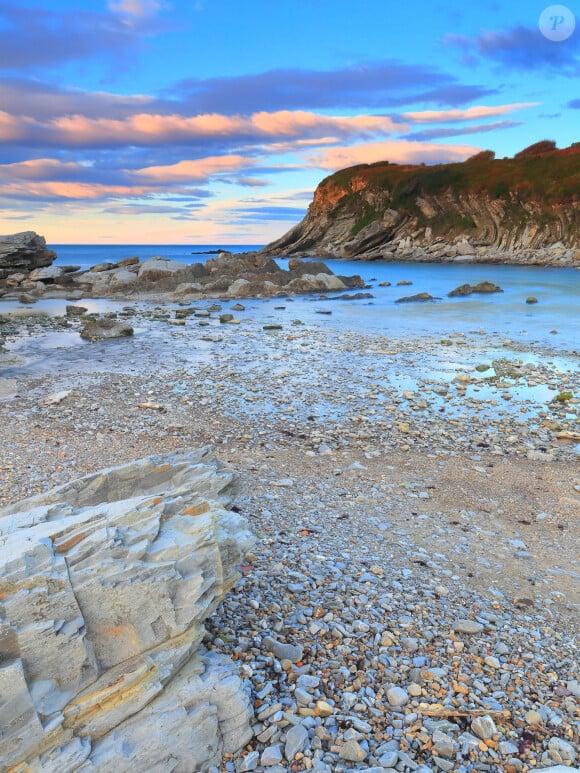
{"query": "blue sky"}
[(212, 121)]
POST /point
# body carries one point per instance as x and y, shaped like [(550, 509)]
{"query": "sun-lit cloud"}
[(55, 179), (192, 170), (10, 127), (149, 129), (468, 114), (395, 151), (53, 190), (40, 169)]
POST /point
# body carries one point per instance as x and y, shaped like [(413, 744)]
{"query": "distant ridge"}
[(483, 207)]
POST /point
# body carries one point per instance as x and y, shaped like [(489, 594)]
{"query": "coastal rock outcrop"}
[(104, 588), (243, 275), (23, 252), (520, 210)]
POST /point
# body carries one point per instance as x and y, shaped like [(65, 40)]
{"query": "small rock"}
[(563, 748), (397, 696), (272, 755), (282, 651), (467, 626), (56, 397), (296, 739), (483, 727), (352, 751), (323, 709), (533, 718)]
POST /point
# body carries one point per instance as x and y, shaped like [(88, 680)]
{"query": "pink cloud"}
[(38, 169), (395, 151), (193, 170), (52, 178), (470, 114), (293, 123), (10, 127), (149, 129), (47, 189)]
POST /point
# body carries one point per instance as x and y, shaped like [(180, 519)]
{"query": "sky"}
[(213, 121)]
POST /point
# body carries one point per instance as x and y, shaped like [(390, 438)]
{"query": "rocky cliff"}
[(527, 206), (104, 586)]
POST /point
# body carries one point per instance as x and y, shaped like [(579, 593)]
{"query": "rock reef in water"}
[(23, 252), (105, 585), (513, 210), (243, 275)]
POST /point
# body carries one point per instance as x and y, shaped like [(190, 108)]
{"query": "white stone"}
[(483, 727), (397, 696), (56, 397)]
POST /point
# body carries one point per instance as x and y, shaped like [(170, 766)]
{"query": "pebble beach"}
[(412, 602)]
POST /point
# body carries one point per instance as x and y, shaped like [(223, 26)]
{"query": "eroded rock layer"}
[(105, 584)]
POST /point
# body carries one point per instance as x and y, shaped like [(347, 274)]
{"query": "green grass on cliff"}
[(551, 176)]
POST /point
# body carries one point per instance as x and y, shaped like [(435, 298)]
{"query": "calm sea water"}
[(506, 314), (87, 255)]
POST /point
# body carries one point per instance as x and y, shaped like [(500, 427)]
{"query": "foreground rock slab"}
[(105, 585)]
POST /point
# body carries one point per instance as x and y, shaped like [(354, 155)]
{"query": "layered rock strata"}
[(521, 210), (105, 585)]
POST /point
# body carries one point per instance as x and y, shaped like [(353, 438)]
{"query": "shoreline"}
[(546, 257)]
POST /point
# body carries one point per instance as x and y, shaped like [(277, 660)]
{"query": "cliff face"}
[(482, 206)]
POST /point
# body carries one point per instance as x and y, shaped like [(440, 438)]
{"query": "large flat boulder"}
[(104, 587)]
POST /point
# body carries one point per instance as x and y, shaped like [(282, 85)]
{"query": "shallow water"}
[(506, 314)]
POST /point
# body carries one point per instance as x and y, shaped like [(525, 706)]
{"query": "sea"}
[(553, 322)]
